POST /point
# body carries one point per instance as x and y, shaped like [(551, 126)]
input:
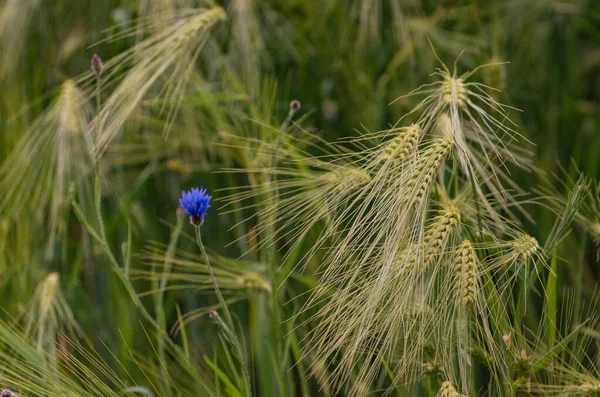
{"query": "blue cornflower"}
[(195, 203)]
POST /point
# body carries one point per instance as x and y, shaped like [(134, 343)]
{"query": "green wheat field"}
[(281, 198)]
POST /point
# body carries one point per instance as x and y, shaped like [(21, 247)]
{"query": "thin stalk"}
[(160, 290), (239, 352), (97, 175), (270, 230), (552, 301), (269, 256), (167, 265), (98, 85), (228, 326), (578, 281), (113, 260), (220, 297)]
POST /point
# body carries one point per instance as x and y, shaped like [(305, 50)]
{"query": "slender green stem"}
[(227, 326), (232, 338), (579, 284), (220, 297), (98, 85), (97, 178), (160, 293), (167, 265), (268, 256), (112, 259), (286, 122), (551, 303)]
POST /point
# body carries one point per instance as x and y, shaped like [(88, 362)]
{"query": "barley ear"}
[(448, 390), (465, 273)]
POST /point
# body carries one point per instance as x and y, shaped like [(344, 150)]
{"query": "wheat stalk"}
[(166, 58), (55, 152)]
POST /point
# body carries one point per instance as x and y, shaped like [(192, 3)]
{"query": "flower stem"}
[(160, 287), (227, 326), (220, 297), (97, 175)]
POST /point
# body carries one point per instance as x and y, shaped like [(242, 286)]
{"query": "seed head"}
[(48, 294), (589, 389), (71, 101), (428, 165), (447, 390), (213, 315), (253, 281), (465, 273), (525, 246), (198, 23), (407, 258), (454, 91), (437, 236), (195, 203), (97, 64), (401, 146), (348, 174), (443, 126)]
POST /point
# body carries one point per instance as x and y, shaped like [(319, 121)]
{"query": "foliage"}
[(405, 198)]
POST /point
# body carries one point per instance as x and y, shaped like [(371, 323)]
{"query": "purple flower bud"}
[(213, 315), (294, 106), (6, 393), (97, 64)]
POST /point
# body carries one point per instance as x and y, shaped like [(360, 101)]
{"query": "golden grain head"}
[(254, 281), (484, 136), (437, 235), (347, 175), (454, 90), (166, 61), (427, 168), (55, 151), (465, 273), (525, 246), (402, 145), (448, 390), (47, 294), (589, 389), (70, 101), (443, 126)]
